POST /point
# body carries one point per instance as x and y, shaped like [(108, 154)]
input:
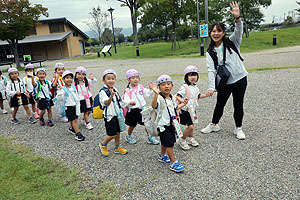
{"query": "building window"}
[(56, 27), (75, 34)]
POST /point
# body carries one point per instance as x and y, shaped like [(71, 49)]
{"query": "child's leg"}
[(171, 154), (28, 112), (50, 114), (86, 116), (1, 105), (108, 139), (14, 112), (117, 139), (163, 150), (130, 130), (188, 132), (74, 125), (42, 113), (33, 107)]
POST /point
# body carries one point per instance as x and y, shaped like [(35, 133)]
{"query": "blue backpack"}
[(59, 105)]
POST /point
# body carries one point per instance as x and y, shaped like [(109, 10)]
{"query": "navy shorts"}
[(14, 101), (134, 117), (71, 113), (185, 118), (42, 103), (167, 137), (112, 127), (83, 107)]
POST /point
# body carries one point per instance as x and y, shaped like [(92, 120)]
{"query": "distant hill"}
[(125, 31)]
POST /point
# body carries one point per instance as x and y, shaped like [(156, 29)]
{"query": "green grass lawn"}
[(189, 48), (24, 175)]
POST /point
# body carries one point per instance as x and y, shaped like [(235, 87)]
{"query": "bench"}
[(106, 49), (35, 61), (6, 63)]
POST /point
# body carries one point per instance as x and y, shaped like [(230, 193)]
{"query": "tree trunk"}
[(134, 27), (245, 23), (174, 36), (166, 33), (14, 45)]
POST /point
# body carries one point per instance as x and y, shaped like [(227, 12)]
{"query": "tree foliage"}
[(17, 18), (98, 21), (134, 6)]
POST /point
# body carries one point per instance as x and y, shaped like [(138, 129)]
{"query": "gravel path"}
[(264, 166)]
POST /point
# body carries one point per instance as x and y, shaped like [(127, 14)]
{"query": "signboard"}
[(204, 30), (27, 57)]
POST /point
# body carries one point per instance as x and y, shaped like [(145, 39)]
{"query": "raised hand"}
[(91, 76), (59, 87), (151, 85), (235, 10), (155, 89)]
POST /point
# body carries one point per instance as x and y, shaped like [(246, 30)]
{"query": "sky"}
[(77, 11)]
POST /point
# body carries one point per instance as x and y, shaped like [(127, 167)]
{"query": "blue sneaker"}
[(164, 158), (130, 140), (152, 140), (176, 167)]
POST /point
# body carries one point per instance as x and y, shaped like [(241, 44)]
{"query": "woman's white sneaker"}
[(239, 133), (211, 128)]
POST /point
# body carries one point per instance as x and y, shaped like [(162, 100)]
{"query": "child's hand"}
[(151, 85), (56, 75), (28, 96), (59, 87), (112, 92), (185, 101), (91, 76), (18, 93), (155, 89), (132, 102)]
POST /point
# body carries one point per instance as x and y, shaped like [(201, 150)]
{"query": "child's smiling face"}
[(109, 80), (166, 88), (14, 75), (68, 80), (80, 76), (41, 75), (60, 70), (134, 81)]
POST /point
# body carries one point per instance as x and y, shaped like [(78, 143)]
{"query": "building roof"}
[(58, 37), (64, 20)]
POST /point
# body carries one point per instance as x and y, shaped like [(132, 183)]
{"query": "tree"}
[(107, 36), (118, 31), (134, 6), (251, 14), (98, 21), (288, 21), (298, 9), (17, 18), (120, 38)]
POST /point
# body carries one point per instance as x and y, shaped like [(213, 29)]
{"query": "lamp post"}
[(200, 43), (112, 26)]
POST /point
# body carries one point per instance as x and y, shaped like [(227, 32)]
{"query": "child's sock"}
[(117, 146)]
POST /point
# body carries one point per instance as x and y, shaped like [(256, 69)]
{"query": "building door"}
[(81, 47)]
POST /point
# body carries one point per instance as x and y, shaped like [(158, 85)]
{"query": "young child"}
[(3, 82), (43, 96), (69, 95), (16, 93), (29, 70), (82, 85), (136, 92), (188, 114), (111, 102), (58, 81), (164, 125)]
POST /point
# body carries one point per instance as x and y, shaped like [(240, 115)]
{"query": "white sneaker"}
[(89, 126), (211, 128), (4, 111), (192, 141), (64, 119), (182, 143), (239, 133)]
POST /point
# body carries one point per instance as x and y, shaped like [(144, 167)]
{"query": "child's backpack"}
[(98, 109), (39, 88), (188, 95), (152, 117), (60, 105), (129, 92)]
